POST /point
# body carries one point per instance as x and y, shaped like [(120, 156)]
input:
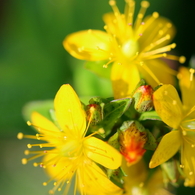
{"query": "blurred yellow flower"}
[(72, 153), (140, 182), (134, 47), (181, 117)]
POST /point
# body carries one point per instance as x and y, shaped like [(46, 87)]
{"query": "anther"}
[(112, 3), (44, 183), (35, 164), (20, 136), (101, 131), (29, 146), (145, 4), (182, 59), (29, 123), (26, 152), (24, 161), (155, 15), (173, 45), (59, 189)]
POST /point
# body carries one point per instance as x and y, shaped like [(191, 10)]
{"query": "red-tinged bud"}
[(143, 98), (94, 113), (132, 141)]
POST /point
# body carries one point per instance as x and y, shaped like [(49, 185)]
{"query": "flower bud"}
[(143, 98), (94, 113), (132, 138)]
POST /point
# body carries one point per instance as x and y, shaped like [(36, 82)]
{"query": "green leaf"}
[(151, 142), (171, 172), (151, 115), (117, 176), (113, 141), (42, 107), (97, 68), (113, 111)]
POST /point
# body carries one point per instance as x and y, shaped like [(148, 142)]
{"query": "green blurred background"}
[(33, 65)]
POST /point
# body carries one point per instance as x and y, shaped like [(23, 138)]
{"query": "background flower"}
[(32, 57)]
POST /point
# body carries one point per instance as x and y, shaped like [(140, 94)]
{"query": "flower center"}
[(130, 48), (72, 148)]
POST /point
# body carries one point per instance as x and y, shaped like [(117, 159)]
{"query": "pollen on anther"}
[(24, 161), (145, 4), (29, 146), (182, 59), (101, 130), (112, 2), (35, 164), (59, 189), (20, 136), (26, 152), (44, 183), (155, 15), (29, 123)]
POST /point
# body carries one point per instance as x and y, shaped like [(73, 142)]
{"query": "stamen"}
[(129, 11), (149, 72), (144, 6), (20, 136)]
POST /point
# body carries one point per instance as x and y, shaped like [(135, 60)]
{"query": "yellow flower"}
[(181, 118), (134, 47), (140, 182), (72, 153)]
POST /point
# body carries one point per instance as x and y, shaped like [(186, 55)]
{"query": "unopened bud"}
[(132, 139), (143, 98), (94, 113)]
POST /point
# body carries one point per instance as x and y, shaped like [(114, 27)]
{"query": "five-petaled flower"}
[(134, 47), (180, 116), (72, 153)]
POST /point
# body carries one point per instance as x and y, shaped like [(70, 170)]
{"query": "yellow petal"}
[(89, 45), (43, 125), (156, 72), (54, 166), (102, 153), (124, 79), (168, 105), (155, 29), (187, 85), (188, 158), (69, 112), (119, 28), (168, 146), (92, 180)]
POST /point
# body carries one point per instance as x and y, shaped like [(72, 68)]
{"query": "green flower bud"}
[(94, 113), (143, 98), (132, 138)]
